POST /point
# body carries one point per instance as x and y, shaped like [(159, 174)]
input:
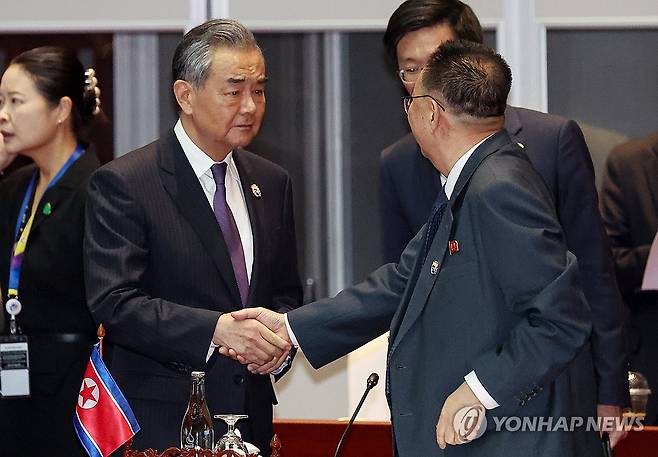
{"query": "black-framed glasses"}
[(407, 99), (410, 75)]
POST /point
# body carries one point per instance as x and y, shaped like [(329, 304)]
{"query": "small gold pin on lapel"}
[(521, 145), (256, 191), (434, 269)]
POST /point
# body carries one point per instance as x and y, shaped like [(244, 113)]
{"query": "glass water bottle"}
[(196, 431)]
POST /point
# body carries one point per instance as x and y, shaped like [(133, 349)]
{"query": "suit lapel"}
[(422, 282), (256, 212), (424, 279), (183, 186)]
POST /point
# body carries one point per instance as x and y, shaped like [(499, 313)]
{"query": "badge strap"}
[(13, 305)]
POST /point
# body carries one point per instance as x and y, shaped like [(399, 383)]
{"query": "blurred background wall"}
[(334, 104)]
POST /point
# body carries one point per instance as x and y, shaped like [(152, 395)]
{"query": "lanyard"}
[(21, 236)]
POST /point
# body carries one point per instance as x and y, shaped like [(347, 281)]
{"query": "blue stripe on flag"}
[(113, 388), (85, 438)]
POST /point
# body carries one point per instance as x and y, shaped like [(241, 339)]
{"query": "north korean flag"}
[(103, 419)]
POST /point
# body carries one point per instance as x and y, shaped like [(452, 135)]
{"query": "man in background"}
[(629, 205), (557, 150), (484, 308)]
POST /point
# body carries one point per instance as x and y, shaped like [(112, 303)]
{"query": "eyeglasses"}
[(407, 99), (410, 75)]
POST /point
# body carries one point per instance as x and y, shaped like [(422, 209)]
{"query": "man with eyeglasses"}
[(486, 293), (557, 150)]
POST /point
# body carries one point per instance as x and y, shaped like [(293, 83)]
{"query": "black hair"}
[(57, 72), (413, 15), (471, 78)]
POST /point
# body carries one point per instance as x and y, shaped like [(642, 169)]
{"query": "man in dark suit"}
[(484, 307), (629, 205), (557, 150), (187, 229)]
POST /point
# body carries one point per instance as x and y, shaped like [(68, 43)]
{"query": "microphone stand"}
[(373, 379)]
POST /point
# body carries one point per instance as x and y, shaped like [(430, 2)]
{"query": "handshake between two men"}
[(259, 338), (256, 337)]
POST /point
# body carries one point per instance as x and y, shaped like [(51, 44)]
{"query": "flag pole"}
[(100, 333)]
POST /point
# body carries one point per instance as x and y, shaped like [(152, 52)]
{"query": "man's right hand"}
[(5, 157), (251, 339), (272, 320)]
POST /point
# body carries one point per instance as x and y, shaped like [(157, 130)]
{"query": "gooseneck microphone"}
[(372, 381)]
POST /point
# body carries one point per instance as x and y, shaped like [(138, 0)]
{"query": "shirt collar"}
[(199, 160), (450, 182)]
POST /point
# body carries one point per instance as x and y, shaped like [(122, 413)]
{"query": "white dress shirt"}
[(448, 183), (201, 164)]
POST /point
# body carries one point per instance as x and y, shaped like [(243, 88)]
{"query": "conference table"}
[(318, 438)]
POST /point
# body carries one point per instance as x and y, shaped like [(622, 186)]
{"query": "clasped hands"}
[(256, 337)]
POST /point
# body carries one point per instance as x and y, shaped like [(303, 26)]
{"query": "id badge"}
[(14, 366)]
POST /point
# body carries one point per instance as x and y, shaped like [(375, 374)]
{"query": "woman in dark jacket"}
[(47, 101)]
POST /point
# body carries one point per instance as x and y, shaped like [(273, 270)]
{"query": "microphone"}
[(372, 381)]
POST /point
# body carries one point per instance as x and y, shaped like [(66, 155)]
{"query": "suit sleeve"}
[(578, 212), (630, 259), (542, 289), (329, 329), (116, 261), (396, 230), (287, 286)]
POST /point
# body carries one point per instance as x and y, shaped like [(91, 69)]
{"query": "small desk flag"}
[(103, 419)]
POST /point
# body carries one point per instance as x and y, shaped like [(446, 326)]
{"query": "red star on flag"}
[(87, 393)]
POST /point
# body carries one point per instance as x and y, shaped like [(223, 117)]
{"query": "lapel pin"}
[(47, 209), (453, 247), (521, 145), (434, 269), (256, 191)]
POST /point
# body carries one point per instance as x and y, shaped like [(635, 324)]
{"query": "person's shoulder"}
[(130, 169), (529, 118), (133, 161), (636, 148), (402, 150), (508, 165)]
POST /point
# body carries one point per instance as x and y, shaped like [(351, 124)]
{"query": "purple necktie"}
[(230, 230)]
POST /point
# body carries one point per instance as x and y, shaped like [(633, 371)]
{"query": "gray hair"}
[(193, 56)]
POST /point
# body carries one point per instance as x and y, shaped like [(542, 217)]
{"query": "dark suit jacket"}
[(507, 305), (629, 206), (557, 150), (159, 276), (53, 296)]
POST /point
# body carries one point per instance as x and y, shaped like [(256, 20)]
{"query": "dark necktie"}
[(435, 219), (229, 228)]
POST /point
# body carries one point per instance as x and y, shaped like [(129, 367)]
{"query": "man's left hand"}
[(461, 398)]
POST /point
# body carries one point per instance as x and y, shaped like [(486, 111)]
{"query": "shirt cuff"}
[(283, 366), (479, 391), (211, 349), (293, 339)]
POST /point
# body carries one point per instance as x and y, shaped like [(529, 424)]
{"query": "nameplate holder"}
[(14, 366)]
